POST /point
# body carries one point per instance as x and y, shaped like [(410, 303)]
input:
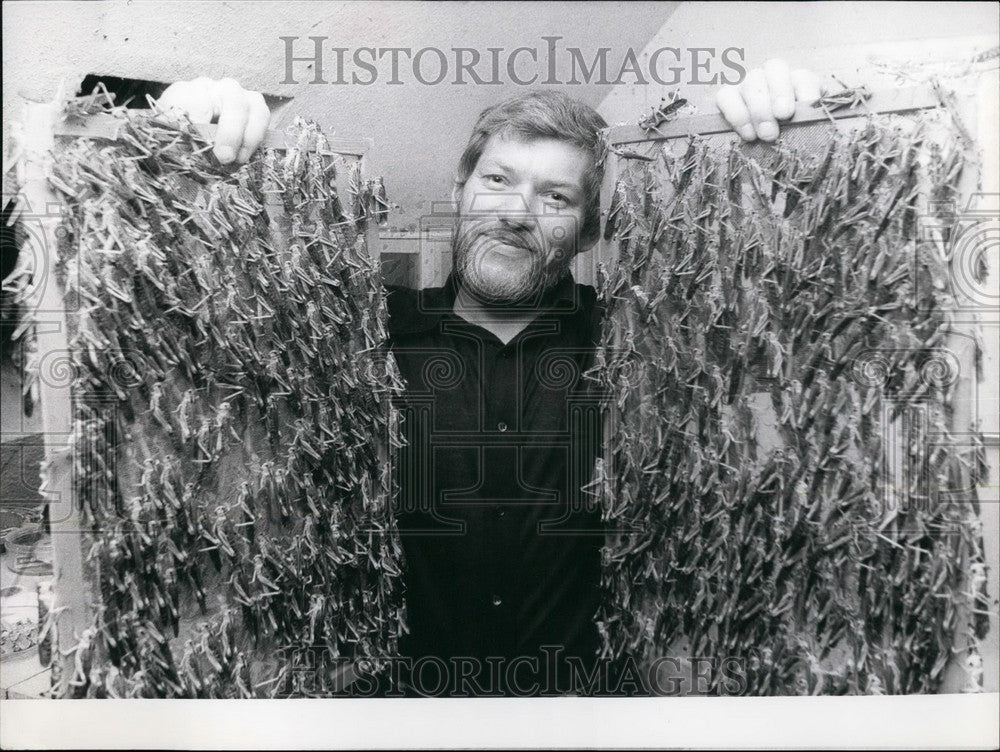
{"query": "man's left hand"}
[(766, 96)]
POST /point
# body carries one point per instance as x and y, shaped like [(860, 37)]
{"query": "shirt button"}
[(500, 511), (501, 426), (497, 600)]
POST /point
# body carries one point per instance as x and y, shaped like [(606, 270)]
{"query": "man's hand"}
[(766, 96), (242, 115)]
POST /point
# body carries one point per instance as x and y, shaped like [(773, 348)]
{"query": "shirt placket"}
[(501, 399)]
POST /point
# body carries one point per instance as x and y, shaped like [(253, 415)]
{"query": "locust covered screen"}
[(232, 398), (784, 481)]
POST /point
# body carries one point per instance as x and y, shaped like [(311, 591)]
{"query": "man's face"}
[(520, 214)]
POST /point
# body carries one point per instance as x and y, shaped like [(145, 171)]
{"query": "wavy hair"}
[(544, 114)]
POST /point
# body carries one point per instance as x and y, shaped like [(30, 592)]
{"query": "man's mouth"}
[(507, 244), (516, 252)]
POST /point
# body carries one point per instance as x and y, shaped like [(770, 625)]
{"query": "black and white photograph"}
[(485, 374)]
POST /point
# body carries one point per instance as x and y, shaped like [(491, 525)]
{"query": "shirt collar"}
[(437, 302)]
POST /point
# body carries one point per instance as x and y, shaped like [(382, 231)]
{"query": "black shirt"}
[(501, 544)]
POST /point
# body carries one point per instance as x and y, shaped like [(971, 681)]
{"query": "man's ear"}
[(456, 196), (586, 244)]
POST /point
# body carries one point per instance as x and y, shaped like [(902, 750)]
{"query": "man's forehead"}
[(548, 154)]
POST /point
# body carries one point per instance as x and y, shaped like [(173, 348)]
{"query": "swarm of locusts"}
[(233, 408), (782, 481)]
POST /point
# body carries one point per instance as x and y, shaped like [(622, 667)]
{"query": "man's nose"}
[(518, 211), (523, 222)]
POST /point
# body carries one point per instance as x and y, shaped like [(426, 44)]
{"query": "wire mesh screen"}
[(231, 392), (789, 492)]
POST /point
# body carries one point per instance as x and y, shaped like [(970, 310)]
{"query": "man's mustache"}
[(502, 233)]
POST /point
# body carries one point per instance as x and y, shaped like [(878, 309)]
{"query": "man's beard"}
[(504, 266)]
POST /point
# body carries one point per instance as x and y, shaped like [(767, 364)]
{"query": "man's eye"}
[(496, 179), (558, 198)]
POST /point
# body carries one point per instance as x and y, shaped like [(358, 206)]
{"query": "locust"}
[(847, 97), (666, 111), (380, 202)]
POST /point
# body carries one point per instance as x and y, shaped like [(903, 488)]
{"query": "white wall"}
[(838, 38)]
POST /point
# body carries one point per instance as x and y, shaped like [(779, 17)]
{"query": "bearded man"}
[(502, 546)]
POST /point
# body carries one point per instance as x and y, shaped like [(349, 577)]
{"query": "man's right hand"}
[(242, 115)]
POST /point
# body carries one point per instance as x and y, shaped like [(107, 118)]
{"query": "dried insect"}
[(666, 111), (849, 97), (381, 202)]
